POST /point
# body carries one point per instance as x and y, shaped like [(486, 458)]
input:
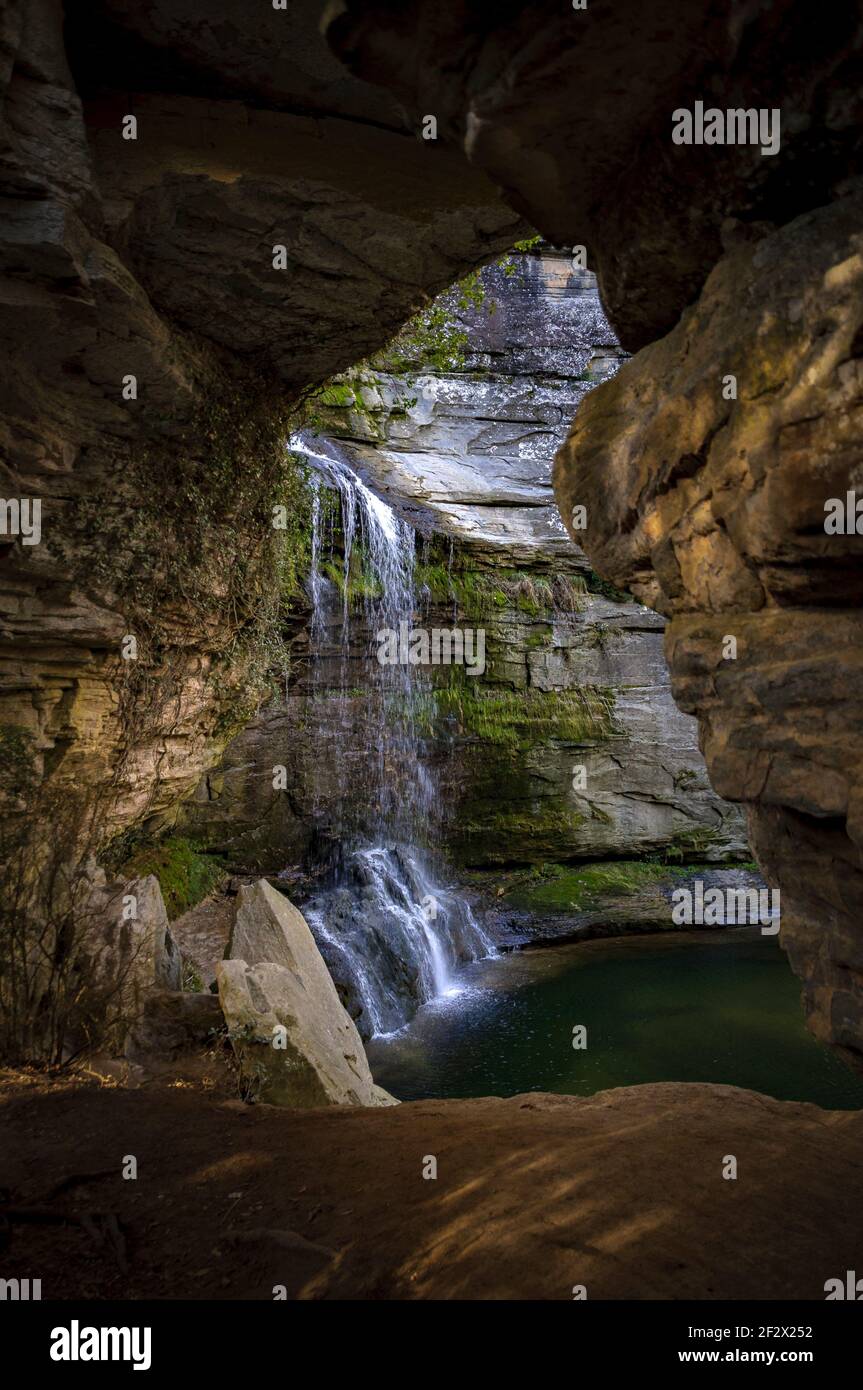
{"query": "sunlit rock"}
[(294, 1042), (711, 507)]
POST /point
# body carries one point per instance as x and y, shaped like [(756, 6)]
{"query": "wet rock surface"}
[(543, 914), (449, 449), (470, 447)]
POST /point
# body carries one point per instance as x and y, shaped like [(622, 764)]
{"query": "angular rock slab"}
[(268, 929), (290, 1001)]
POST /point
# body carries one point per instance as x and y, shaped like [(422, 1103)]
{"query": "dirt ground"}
[(622, 1192)]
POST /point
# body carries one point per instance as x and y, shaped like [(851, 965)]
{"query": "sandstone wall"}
[(153, 257), (712, 509)]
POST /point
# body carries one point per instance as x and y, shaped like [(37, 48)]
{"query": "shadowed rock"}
[(570, 113)]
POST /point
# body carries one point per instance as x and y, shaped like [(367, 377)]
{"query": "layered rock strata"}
[(144, 407), (574, 678), (707, 469)]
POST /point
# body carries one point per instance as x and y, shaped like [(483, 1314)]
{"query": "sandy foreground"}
[(622, 1192)]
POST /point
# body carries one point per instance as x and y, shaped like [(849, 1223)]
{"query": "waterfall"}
[(392, 935)]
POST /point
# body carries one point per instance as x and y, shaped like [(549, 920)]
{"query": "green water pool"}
[(720, 1007)]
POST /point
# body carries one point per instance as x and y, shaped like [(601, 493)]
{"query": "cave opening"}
[(447, 818), (368, 712)]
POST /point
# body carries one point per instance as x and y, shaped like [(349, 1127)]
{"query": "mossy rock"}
[(522, 719), (338, 394), (186, 875), (515, 836), (559, 887)]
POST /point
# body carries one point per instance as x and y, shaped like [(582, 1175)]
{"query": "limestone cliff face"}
[(569, 744), (470, 447), (584, 690)]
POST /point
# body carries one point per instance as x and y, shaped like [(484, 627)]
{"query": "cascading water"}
[(391, 935)]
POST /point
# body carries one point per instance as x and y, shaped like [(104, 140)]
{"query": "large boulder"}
[(270, 930), (127, 952), (293, 1039)]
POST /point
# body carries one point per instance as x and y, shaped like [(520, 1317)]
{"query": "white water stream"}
[(393, 936)]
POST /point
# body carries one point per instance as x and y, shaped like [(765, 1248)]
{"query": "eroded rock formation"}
[(569, 112), (153, 258), (712, 510)]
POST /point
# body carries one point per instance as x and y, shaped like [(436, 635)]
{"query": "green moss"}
[(532, 595), (688, 844), (338, 408), (479, 592), (522, 719), (527, 824), (435, 338), (185, 875), (361, 583), (601, 636), (468, 589), (604, 587), (558, 887), (337, 393), (539, 635), (510, 264)]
